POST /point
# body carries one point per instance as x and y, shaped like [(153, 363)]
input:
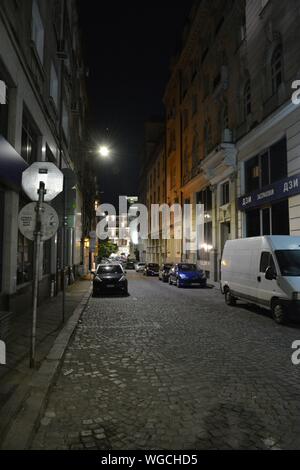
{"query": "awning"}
[(12, 165)]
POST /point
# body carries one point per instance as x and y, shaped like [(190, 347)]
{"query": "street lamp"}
[(104, 151)]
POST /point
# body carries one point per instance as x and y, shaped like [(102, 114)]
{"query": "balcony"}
[(220, 163)]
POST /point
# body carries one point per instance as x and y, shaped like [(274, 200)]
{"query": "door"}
[(266, 289)]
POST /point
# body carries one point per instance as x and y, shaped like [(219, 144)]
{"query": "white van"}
[(264, 271)]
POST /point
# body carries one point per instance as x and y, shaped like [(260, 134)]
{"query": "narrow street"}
[(169, 368)]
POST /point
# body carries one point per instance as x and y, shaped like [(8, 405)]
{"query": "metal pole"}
[(38, 237)]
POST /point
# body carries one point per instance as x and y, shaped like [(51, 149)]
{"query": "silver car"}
[(139, 267)]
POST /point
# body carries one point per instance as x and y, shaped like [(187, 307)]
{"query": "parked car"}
[(151, 269), (139, 267), (187, 275), (130, 264), (164, 272), (110, 278), (264, 271)]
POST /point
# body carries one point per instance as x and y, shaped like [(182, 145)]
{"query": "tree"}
[(106, 248)]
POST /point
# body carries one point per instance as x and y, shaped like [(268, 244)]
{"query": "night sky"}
[(127, 48)]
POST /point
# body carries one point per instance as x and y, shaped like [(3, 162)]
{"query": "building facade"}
[(231, 128), (43, 119)]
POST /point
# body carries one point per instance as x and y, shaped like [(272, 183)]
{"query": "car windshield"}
[(167, 267), (152, 265), (187, 267), (111, 269), (289, 262)]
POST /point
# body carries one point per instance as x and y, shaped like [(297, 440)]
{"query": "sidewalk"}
[(16, 375)]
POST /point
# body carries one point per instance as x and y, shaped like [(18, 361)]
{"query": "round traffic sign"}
[(47, 173), (27, 221)]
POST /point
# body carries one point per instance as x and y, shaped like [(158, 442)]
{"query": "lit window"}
[(37, 30), (276, 69)]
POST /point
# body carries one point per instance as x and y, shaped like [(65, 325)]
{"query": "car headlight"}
[(296, 295), (182, 276), (122, 279)]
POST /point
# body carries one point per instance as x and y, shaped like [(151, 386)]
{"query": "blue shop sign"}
[(282, 189), (12, 165)]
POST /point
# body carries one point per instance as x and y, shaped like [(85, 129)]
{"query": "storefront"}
[(265, 204)]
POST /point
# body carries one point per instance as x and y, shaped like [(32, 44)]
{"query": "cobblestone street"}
[(169, 368)]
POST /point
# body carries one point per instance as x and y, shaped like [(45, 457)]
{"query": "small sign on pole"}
[(38, 221)]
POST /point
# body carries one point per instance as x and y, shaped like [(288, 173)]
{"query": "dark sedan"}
[(164, 272), (110, 278), (151, 269)]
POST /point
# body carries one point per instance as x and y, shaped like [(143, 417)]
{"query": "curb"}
[(32, 399)]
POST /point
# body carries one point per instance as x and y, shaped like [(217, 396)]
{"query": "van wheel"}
[(278, 313), (229, 299)]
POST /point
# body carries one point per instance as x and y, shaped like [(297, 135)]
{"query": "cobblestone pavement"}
[(170, 368)]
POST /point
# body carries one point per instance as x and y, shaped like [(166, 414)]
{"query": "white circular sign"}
[(47, 173), (27, 221)]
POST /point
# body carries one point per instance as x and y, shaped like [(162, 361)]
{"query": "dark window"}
[(280, 218), (278, 160), (276, 69), (253, 223), (47, 257), (205, 197), (266, 261), (265, 169), (266, 221), (225, 197), (252, 174)]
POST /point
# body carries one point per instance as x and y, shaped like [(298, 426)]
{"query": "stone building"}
[(43, 119), (231, 129)]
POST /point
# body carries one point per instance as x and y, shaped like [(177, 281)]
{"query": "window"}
[(276, 69), (247, 99), (29, 141), (266, 261), (37, 31), (54, 85), (225, 198)]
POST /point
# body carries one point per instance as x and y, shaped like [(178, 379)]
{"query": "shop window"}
[(47, 257), (280, 218), (278, 160), (253, 223), (24, 260)]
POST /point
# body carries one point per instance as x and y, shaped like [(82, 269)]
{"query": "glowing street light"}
[(104, 151)]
